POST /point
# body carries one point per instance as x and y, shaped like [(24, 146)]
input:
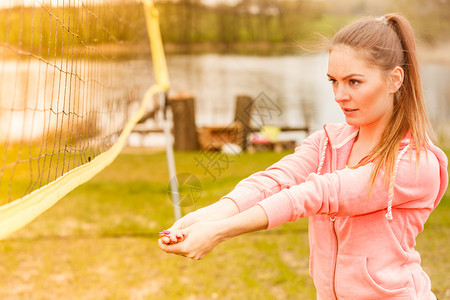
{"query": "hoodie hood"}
[(443, 164)]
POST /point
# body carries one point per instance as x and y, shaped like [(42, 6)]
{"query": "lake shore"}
[(436, 54)]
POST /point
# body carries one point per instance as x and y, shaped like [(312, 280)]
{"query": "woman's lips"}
[(349, 111)]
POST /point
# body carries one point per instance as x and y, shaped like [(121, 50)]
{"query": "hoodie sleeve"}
[(292, 170), (345, 192)]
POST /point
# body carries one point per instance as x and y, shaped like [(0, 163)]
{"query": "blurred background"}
[(220, 49)]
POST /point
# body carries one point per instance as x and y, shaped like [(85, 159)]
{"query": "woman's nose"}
[(341, 93)]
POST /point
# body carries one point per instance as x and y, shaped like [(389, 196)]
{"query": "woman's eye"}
[(354, 82), (333, 81)]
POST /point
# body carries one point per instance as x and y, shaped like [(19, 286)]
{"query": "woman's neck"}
[(366, 140), (370, 136)]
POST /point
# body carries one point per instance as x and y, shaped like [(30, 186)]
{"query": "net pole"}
[(171, 160), (162, 79)]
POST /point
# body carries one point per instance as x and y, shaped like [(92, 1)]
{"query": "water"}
[(37, 96), (293, 83)]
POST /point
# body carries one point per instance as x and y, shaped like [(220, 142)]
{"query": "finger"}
[(165, 240), (180, 236), (164, 232), (186, 231), (171, 248), (162, 245), (173, 238)]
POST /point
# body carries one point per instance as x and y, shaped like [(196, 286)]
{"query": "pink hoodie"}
[(360, 248)]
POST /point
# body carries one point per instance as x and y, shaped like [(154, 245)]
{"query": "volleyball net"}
[(68, 94)]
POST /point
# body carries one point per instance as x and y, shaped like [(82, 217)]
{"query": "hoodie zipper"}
[(333, 220)]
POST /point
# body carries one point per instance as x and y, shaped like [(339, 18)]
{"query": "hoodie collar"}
[(340, 134)]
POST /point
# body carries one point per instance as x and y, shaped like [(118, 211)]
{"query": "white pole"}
[(171, 160)]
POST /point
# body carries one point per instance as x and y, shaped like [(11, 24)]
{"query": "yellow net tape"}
[(154, 33), (21, 212)]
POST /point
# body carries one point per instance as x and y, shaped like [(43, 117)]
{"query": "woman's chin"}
[(352, 122)]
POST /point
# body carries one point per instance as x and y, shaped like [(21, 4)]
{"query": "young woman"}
[(367, 186)]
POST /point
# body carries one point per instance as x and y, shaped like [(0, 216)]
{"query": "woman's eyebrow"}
[(348, 76)]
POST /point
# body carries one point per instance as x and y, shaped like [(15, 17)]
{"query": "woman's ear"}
[(396, 79)]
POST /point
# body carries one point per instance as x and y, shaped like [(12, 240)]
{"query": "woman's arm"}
[(346, 192), (289, 171), (221, 209), (202, 237)]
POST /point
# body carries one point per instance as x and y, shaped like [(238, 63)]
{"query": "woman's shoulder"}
[(426, 166), (425, 157), (421, 175)]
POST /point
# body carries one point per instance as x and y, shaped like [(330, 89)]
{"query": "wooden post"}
[(184, 128), (242, 115)]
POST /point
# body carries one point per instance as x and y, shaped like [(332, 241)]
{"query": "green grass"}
[(100, 242), (25, 168)]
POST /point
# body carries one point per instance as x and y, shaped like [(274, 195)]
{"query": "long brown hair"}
[(388, 42)]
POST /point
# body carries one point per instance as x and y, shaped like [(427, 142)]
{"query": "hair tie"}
[(382, 19)]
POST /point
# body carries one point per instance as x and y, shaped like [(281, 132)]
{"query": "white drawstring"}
[(322, 157), (391, 184)]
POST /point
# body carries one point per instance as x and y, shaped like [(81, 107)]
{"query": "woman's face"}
[(361, 90)]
